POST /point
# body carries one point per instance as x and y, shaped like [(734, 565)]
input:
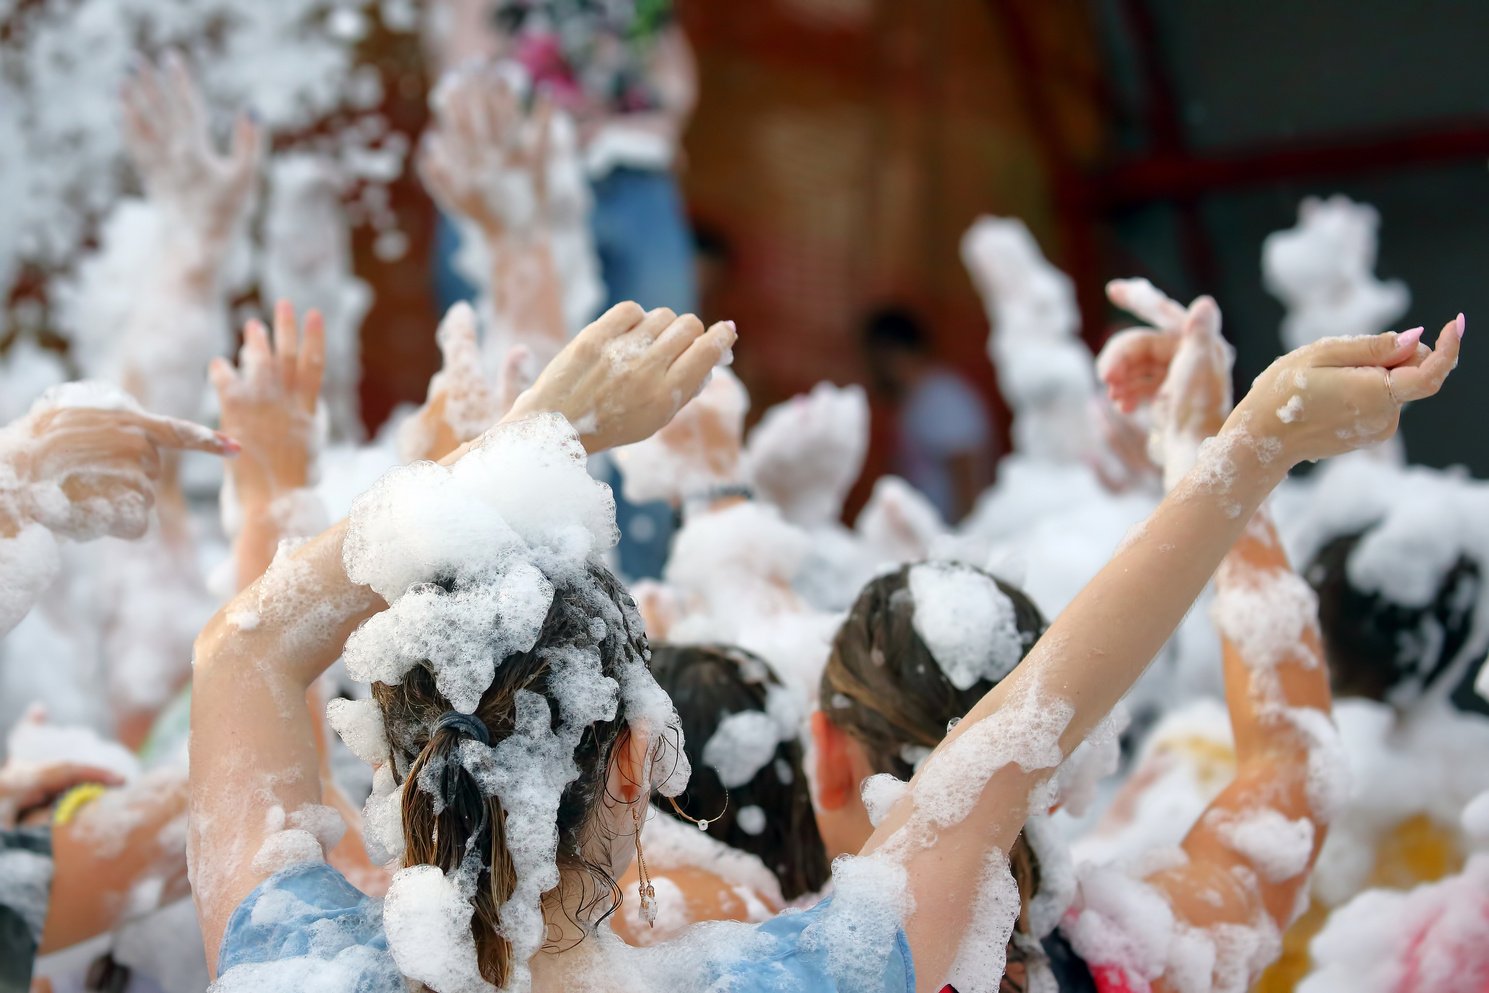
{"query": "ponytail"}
[(443, 814)]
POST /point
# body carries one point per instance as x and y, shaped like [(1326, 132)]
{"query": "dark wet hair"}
[(708, 683), (1385, 651), (884, 688), (437, 830)]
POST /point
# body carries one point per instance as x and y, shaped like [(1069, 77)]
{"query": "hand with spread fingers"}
[(166, 129), (625, 376), (269, 402), (85, 461), (487, 158), (462, 402)]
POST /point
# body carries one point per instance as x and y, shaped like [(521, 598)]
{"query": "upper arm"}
[(255, 769)]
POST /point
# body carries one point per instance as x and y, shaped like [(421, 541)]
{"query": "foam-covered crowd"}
[(288, 710)]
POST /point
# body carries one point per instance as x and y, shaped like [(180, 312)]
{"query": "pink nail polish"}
[(1409, 339), (1462, 326)]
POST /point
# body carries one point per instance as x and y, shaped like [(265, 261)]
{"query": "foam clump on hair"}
[(426, 916), (746, 741), (966, 622), (499, 547), (359, 723), (426, 521)]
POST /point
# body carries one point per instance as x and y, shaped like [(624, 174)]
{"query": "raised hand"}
[(487, 159), (625, 376), (85, 461), (805, 453), (462, 401), (200, 189), (268, 403), (1339, 394), (1134, 362)]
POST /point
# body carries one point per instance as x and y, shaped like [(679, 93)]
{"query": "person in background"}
[(624, 71), (944, 444)]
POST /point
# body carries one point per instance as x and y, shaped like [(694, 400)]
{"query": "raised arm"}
[(487, 161), (268, 404), (1250, 852), (255, 788), (967, 804), (200, 195)]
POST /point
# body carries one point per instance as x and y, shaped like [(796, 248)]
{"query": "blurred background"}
[(840, 148)]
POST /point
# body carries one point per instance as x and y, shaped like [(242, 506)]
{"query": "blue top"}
[(310, 919)]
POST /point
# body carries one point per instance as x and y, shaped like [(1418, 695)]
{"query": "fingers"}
[(184, 98), (614, 322), (687, 374), (676, 339), (1144, 300), (286, 356), (1421, 381), (434, 169), (650, 327), (50, 780), (460, 353), (312, 362), (174, 433), (1386, 349), (515, 376), (1203, 318), (256, 357), (245, 149), (223, 377)]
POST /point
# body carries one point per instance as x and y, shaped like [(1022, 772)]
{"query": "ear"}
[(630, 763), (835, 781)]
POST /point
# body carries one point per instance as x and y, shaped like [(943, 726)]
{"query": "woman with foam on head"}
[(501, 613)]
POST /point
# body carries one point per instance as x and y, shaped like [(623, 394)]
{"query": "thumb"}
[(1386, 349)]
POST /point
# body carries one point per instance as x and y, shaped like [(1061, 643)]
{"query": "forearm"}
[(291, 623), (1272, 650), (525, 291), (1097, 647)]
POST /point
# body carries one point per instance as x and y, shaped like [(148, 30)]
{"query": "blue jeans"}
[(646, 254)]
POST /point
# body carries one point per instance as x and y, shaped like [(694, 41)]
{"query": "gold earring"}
[(644, 888), (702, 823)]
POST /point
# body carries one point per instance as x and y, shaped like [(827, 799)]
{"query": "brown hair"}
[(445, 808), (708, 683), (884, 688)]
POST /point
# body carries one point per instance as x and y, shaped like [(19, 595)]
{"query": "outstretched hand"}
[(1133, 363), (268, 403), (167, 134), (487, 159), (86, 460), (624, 377), (1340, 394)]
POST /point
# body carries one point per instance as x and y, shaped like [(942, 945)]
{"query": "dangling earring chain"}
[(704, 822), (644, 888)]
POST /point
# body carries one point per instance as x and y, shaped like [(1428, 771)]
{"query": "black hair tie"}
[(468, 725)]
